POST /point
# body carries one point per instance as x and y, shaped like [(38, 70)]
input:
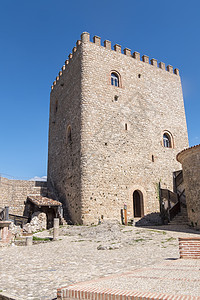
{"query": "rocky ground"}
[(83, 253)]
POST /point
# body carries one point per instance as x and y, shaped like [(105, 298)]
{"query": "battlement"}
[(85, 38)]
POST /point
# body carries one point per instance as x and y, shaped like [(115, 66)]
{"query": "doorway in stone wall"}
[(138, 204)]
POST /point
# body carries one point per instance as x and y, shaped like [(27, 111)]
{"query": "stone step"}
[(177, 221), (181, 215), (181, 218), (62, 220)]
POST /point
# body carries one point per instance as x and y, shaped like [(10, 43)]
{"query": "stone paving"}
[(84, 253), (172, 279)]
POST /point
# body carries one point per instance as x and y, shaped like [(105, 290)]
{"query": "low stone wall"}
[(189, 247), (13, 193)]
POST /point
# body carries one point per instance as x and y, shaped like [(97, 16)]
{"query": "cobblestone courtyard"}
[(84, 253)]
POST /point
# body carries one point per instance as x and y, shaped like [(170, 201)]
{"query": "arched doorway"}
[(138, 205)]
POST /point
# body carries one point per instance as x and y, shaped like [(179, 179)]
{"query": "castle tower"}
[(116, 125)]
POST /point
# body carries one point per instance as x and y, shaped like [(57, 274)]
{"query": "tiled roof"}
[(43, 201)]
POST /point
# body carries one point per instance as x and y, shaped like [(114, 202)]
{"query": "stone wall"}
[(13, 193), (64, 150), (117, 132), (190, 160)]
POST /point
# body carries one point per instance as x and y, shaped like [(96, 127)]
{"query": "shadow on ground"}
[(154, 221)]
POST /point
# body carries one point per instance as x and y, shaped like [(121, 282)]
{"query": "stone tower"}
[(116, 125)]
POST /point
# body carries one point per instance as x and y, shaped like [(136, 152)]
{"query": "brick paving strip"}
[(130, 286), (36, 272), (108, 294)]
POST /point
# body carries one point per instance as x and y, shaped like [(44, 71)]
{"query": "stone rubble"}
[(38, 223), (15, 230)]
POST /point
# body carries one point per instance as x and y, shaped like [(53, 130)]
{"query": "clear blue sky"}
[(36, 38)]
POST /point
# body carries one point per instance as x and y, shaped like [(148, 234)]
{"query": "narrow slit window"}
[(126, 126), (56, 106), (69, 134)]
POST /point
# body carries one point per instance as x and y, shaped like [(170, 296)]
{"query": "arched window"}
[(167, 143), (114, 79)]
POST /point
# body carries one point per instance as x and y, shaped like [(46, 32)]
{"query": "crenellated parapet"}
[(67, 62), (85, 38)]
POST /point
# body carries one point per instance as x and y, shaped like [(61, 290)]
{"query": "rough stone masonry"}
[(116, 125)]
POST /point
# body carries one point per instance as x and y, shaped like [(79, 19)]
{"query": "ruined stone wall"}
[(190, 159), (119, 148), (13, 193)]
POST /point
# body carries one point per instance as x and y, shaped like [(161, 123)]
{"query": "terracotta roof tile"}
[(43, 201)]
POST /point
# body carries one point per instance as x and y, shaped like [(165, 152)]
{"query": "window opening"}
[(69, 134), (56, 106), (114, 79), (166, 140), (126, 127)]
